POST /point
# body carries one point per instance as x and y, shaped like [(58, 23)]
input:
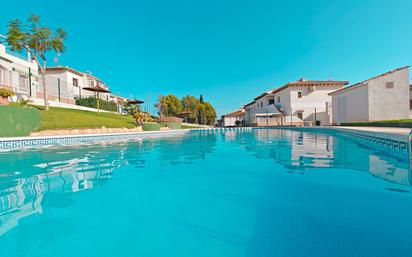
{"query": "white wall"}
[(389, 103), (350, 106), (14, 67), (285, 99), (373, 101), (311, 100), (292, 104), (229, 121)]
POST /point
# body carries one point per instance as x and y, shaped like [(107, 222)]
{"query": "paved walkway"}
[(388, 130), (400, 134)]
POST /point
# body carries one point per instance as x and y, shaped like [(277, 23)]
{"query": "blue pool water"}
[(257, 194)]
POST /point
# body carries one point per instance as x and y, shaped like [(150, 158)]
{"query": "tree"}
[(201, 112), (169, 105), (210, 114), (201, 99), (132, 109), (37, 40), (191, 105)]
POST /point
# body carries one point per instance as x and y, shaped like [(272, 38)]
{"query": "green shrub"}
[(171, 125), (91, 102), (150, 126), (4, 92)]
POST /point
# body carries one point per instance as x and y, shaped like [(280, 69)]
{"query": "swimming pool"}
[(265, 192)]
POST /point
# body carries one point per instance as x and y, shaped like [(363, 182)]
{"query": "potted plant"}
[(4, 95)]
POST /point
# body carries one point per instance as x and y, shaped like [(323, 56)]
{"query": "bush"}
[(171, 125), (170, 119), (4, 92), (150, 126), (91, 102)]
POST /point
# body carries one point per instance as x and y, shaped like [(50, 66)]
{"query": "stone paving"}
[(399, 131)]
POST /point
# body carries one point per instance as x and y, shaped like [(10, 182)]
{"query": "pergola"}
[(135, 101), (184, 113), (97, 90)]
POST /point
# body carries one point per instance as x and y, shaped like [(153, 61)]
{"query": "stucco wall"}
[(311, 100), (350, 106), (284, 97), (229, 121), (15, 67), (389, 103), (373, 100)]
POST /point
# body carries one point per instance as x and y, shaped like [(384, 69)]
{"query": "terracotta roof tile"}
[(303, 82), (235, 113), (65, 68)]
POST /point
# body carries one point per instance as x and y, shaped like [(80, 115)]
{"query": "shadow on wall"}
[(17, 121)]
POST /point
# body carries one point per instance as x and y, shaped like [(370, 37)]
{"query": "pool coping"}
[(392, 141), (30, 142)]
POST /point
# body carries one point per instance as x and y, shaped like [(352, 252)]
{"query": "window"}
[(299, 94), (261, 104), (5, 76), (90, 83), (300, 115), (389, 84), (271, 101), (75, 82), (23, 83), (2, 76), (278, 99)]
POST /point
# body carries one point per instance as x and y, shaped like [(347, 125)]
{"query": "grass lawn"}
[(61, 118), (189, 127), (387, 123)]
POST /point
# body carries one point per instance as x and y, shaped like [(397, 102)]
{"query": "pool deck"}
[(400, 134)]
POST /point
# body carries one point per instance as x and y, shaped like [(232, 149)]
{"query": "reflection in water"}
[(298, 151), (50, 177), (185, 150), (35, 180), (26, 190)]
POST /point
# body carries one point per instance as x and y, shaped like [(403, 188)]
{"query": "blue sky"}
[(229, 51)]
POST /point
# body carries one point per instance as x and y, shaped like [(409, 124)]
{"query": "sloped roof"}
[(65, 68), (235, 113), (365, 81), (248, 104), (304, 82), (262, 95)]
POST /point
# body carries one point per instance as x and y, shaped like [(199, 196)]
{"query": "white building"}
[(93, 81), (70, 82), (66, 84), (384, 97), (232, 119), (298, 102), (18, 73)]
